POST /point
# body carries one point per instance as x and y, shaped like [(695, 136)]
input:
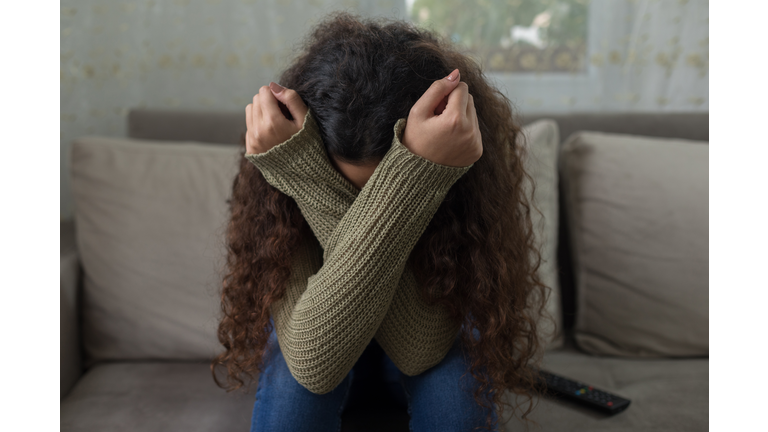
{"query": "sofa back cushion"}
[(638, 217), (150, 220), (542, 139)]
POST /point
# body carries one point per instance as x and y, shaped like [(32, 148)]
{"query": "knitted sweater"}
[(351, 282)]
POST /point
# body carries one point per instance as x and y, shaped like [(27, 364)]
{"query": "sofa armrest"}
[(70, 365)]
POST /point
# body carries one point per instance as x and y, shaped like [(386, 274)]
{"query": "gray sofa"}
[(141, 260)]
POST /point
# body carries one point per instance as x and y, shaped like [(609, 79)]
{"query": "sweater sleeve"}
[(415, 335), (323, 330), (299, 167)]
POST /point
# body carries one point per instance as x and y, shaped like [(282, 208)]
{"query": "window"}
[(512, 35), (552, 56)]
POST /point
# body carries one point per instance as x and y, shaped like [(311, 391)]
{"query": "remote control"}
[(583, 393)]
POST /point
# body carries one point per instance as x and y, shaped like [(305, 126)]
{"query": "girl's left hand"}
[(266, 120)]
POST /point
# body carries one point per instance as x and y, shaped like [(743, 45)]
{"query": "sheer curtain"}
[(639, 55), (642, 55), (176, 54), (583, 55)]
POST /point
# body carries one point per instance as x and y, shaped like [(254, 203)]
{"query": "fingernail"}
[(453, 75), (277, 88)]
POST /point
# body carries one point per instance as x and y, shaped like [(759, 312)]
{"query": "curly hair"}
[(478, 257)]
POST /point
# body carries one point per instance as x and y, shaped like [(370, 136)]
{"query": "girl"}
[(379, 227)]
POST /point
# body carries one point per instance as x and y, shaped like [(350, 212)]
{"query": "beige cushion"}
[(69, 352), (665, 394), (155, 397), (639, 223), (150, 220), (542, 140), (165, 396)]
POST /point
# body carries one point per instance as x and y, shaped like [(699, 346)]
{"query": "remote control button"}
[(591, 388), (610, 404)]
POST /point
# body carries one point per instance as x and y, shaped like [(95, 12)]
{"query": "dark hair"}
[(478, 257)]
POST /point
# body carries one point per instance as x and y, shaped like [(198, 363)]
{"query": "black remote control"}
[(582, 393)]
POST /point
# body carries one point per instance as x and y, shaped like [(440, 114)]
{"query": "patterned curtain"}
[(176, 54), (547, 55), (580, 55)]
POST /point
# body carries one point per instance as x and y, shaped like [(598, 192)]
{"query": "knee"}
[(444, 395), (282, 404), (276, 376), (446, 377)]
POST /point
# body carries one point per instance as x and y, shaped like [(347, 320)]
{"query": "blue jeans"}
[(437, 399)]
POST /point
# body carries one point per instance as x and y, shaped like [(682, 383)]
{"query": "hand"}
[(274, 116), (449, 136)]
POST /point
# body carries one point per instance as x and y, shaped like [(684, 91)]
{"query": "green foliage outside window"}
[(512, 35)]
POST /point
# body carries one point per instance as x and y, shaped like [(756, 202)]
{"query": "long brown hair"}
[(477, 258)]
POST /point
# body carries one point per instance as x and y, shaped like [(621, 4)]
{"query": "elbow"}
[(417, 369), (418, 362), (318, 390), (412, 368), (318, 386), (315, 381), (312, 367)]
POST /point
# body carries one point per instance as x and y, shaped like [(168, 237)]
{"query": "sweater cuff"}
[(421, 171), (286, 154)]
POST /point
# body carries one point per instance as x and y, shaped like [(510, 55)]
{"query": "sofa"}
[(623, 226)]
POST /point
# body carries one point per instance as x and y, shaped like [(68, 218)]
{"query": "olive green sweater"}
[(351, 283)]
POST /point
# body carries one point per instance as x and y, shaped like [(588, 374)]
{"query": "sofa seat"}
[(666, 395), (154, 396)]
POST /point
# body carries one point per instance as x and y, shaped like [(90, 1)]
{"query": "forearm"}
[(300, 168), (415, 335)]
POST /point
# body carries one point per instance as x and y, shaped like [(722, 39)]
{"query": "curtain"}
[(579, 55), (630, 55), (176, 54), (642, 55)]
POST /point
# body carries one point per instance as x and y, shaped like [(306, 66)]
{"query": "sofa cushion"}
[(150, 220), (638, 217), (70, 363), (181, 396), (161, 396), (542, 139), (669, 395), (217, 127)]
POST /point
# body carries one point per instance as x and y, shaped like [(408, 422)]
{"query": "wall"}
[(643, 56), (175, 54)]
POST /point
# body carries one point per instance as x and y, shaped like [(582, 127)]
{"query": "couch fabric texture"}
[(668, 395), (638, 210), (150, 229), (541, 141)]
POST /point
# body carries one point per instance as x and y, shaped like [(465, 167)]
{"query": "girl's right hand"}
[(451, 137), (267, 124)]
